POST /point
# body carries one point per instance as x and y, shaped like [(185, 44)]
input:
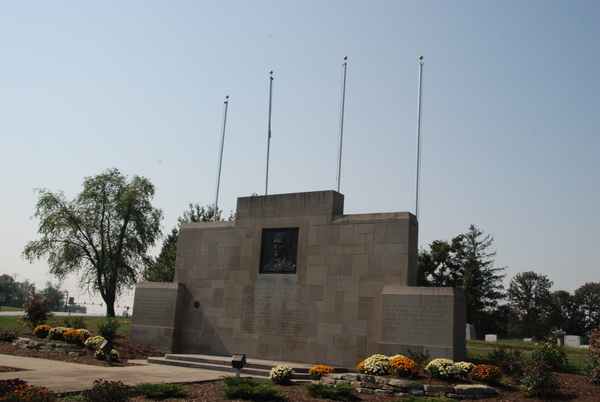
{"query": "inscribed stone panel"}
[(155, 307), (417, 320), (274, 309)]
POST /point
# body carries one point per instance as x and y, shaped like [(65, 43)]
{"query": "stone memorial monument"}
[(294, 279)]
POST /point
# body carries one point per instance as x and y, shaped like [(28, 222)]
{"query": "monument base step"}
[(254, 368)]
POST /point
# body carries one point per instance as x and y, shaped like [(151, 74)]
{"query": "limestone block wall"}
[(156, 319), (328, 311)]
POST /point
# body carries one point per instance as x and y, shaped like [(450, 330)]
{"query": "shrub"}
[(403, 366), (41, 331), (56, 333), (376, 365), (281, 374), (485, 373), (102, 391), (442, 368), (249, 389), (319, 371), (94, 342), (340, 392), (7, 335), (509, 361), (551, 353), (464, 368), (100, 355), (108, 328), (160, 391), (75, 322), (17, 390), (594, 366), (36, 312), (421, 358), (538, 380)]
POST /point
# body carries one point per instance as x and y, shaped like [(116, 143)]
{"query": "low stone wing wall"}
[(370, 384)]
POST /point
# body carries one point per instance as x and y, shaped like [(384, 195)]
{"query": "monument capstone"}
[(294, 279)]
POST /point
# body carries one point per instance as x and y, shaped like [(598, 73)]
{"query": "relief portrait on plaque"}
[(279, 251)]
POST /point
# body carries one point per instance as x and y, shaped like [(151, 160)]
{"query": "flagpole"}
[(419, 101), (269, 129), (225, 104), (342, 107)]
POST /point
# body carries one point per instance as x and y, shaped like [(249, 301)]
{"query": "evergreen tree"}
[(482, 282), (465, 263)]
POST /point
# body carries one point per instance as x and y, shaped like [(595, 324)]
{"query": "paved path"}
[(68, 377)]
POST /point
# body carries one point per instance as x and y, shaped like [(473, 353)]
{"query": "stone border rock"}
[(370, 384), (63, 348)]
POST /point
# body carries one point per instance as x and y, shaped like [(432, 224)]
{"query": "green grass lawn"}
[(478, 352), (5, 309), (11, 322)]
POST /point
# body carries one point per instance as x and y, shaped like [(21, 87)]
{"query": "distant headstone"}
[(573, 341), (491, 338), (471, 334), (527, 339)]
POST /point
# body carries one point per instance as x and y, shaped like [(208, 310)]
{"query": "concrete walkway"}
[(68, 377)]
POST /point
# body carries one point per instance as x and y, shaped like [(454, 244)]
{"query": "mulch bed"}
[(128, 350)]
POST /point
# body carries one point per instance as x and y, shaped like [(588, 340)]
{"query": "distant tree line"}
[(15, 294), (528, 308)]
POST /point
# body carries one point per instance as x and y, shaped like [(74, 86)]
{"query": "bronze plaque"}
[(279, 251)]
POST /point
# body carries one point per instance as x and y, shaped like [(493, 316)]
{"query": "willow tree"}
[(102, 235)]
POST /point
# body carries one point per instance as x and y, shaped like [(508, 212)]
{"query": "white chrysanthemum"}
[(377, 365), (464, 367), (442, 368), (281, 374)]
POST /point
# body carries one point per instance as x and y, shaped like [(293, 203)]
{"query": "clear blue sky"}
[(511, 113)]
